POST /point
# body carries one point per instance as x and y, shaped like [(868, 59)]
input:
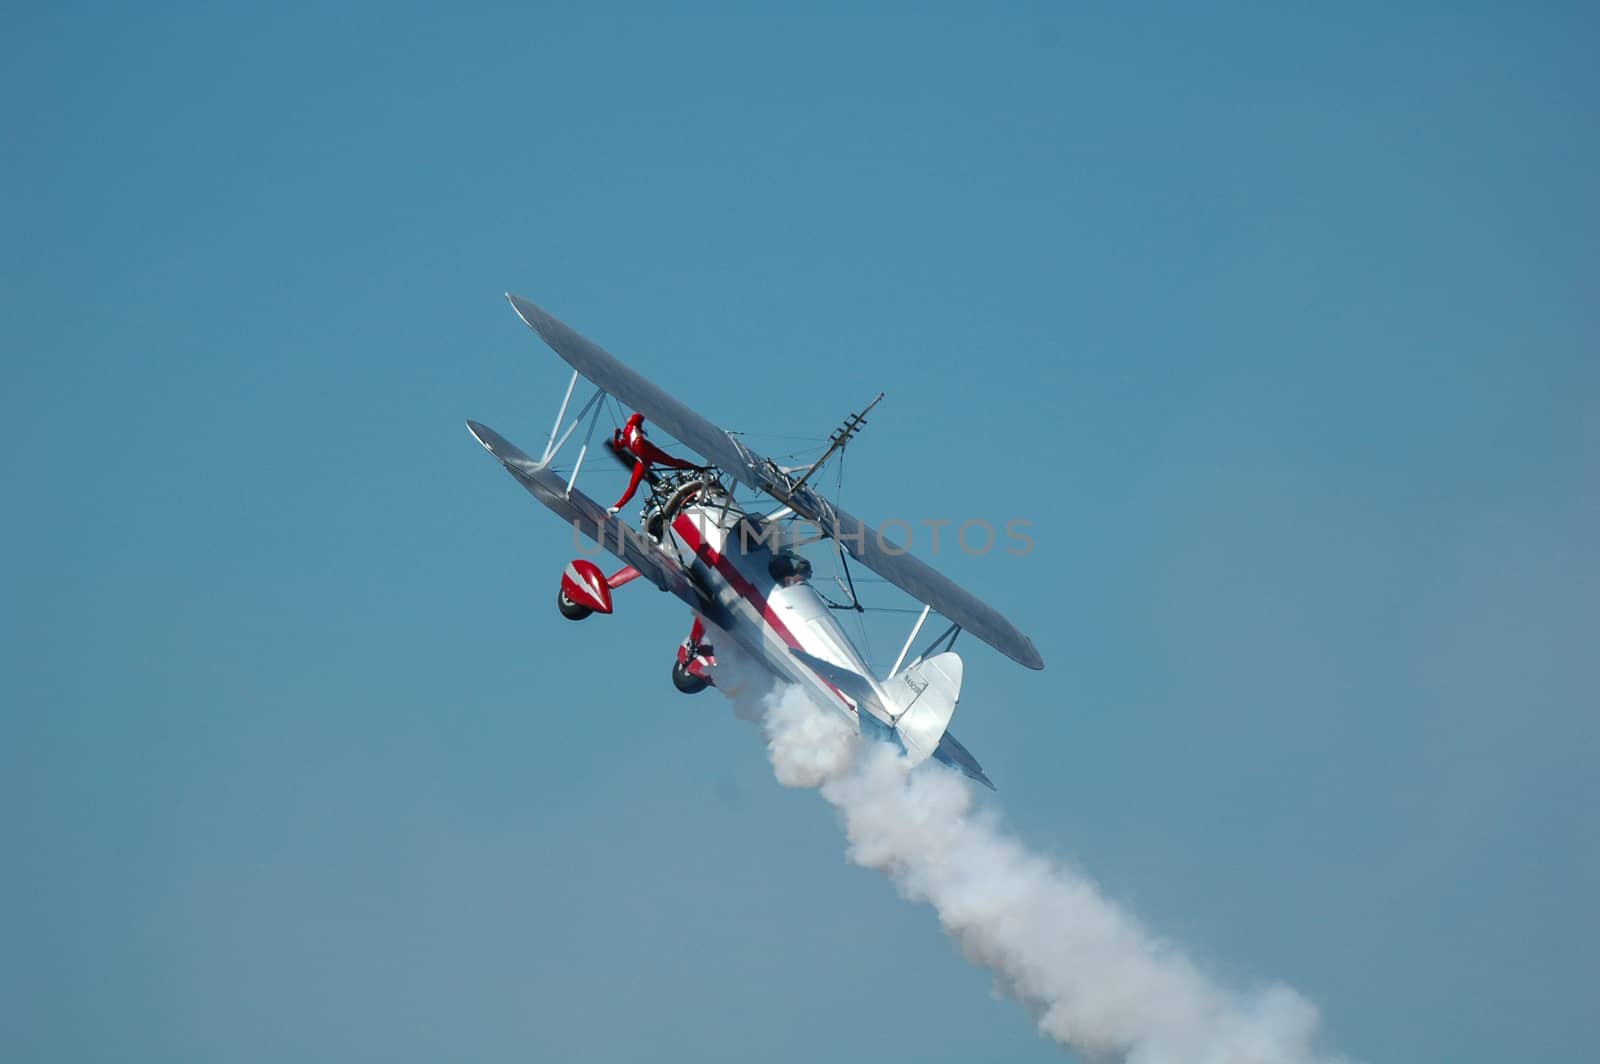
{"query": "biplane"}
[(738, 571)]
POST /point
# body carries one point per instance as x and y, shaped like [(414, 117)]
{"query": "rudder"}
[(925, 694)]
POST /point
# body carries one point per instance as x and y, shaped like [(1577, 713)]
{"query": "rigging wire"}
[(855, 599), (818, 440)]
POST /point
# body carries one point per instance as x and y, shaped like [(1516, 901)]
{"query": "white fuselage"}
[(766, 616)]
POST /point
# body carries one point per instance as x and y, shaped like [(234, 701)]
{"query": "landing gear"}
[(686, 681), (691, 673), (569, 609)]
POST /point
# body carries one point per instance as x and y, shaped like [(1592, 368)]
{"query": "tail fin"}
[(921, 699), (925, 695)]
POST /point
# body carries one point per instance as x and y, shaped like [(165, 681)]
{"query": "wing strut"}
[(946, 641), (855, 600), (550, 443), (599, 402), (907, 648)]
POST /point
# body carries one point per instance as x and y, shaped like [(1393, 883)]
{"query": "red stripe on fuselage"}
[(690, 534)]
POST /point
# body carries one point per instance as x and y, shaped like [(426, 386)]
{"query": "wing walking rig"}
[(733, 570)]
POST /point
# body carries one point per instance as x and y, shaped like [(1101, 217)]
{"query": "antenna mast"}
[(840, 437)]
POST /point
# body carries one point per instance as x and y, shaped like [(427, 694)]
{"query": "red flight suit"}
[(630, 439)]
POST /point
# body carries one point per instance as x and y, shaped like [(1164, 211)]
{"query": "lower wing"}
[(589, 517)]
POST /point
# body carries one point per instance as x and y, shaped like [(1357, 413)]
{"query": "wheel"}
[(572, 611), (686, 681)]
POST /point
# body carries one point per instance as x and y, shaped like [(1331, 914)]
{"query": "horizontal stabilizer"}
[(952, 753), (921, 699), (856, 687)]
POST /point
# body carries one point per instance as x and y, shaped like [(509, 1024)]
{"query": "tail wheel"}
[(686, 681), (572, 611)]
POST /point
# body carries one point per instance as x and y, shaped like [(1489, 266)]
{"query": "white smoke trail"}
[(1096, 981)]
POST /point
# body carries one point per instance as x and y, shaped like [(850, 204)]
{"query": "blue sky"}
[(1278, 325)]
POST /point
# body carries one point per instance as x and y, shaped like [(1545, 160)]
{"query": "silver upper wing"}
[(614, 378), (923, 582), (753, 470)]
